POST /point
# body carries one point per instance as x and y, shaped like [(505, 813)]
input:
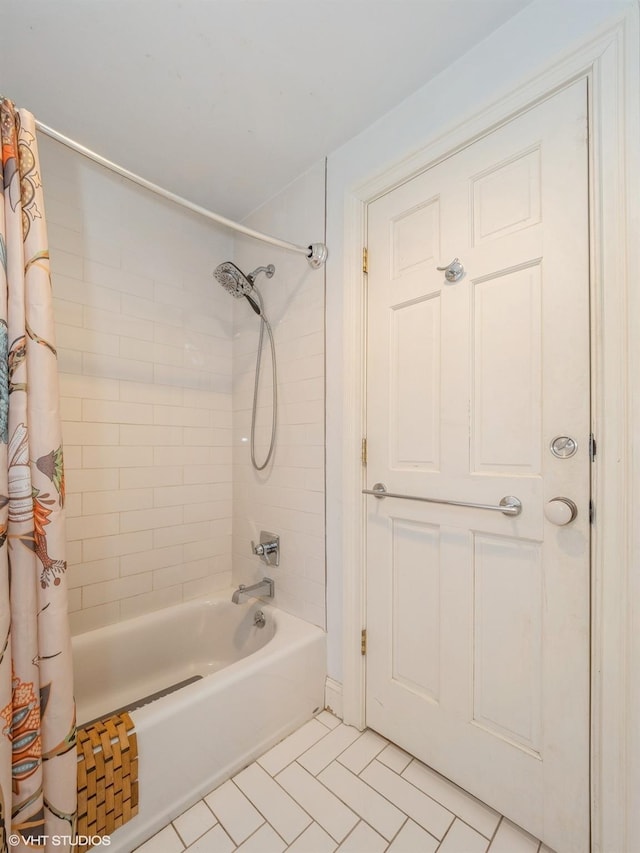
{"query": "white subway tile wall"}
[(288, 497), (145, 352)]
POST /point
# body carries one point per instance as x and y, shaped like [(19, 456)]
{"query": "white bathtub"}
[(258, 685)]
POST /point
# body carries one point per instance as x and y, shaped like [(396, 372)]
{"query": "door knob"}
[(560, 511)]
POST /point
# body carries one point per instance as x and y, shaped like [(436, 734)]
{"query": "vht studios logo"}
[(68, 841)]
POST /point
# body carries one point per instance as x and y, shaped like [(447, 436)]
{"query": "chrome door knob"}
[(560, 511)]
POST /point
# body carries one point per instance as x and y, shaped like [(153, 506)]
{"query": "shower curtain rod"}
[(316, 253)]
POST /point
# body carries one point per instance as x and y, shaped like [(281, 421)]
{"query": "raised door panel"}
[(506, 393), (415, 598), (507, 619), (414, 385)]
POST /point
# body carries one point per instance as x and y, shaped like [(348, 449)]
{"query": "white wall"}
[(540, 34), (144, 342), (287, 498)]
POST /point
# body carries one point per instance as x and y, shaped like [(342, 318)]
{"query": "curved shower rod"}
[(315, 253)]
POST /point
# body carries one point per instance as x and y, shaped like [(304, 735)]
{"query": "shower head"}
[(233, 279), (237, 283)]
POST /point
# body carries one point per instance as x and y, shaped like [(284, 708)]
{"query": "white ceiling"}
[(226, 101)]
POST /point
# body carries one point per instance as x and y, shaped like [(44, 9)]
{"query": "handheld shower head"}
[(232, 279), (238, 284), (235, 282)]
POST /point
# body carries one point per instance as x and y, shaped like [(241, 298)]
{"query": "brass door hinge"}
[(363, 452), (363, 642), (365, 260)]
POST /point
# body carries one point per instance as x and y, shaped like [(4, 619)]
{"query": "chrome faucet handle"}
[(264, 548), (268, 549)]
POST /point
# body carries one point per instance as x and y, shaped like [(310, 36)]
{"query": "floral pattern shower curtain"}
[(37, 716)]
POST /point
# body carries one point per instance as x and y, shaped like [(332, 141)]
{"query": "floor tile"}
[(313, 840), (194, 822), (413, 838), (362, 839), (472, 811), (234, 811), (214, 841), (328, 719), (291, 747), (323, 753), (325, 808), (265, 840), (511, 839), (346, 792), (430, 815), (362, 751), (165, 841), (462, 839), (395, 758), (283, 813), (378, 812)]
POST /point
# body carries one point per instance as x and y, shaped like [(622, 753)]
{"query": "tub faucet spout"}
[(265, 587)]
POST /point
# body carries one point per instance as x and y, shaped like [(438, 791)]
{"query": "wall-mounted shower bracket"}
[(317, 255), (268, 548)]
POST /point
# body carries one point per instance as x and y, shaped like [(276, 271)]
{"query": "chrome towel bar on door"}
[(507, 506)]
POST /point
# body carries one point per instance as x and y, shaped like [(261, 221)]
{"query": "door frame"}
[(610, 63)]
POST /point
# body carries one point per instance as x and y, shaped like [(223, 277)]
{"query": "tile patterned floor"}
[(328, 787)]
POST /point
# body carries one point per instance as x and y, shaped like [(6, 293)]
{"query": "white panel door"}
[(478, 622)]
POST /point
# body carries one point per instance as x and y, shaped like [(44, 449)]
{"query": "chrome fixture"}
[(563, 446), (317, 255), (453, 271), (238, 284), (560, 511), (507, 506), (259, 619), (265, 587), (268, 549)]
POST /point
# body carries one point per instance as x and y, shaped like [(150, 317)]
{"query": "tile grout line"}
[(400, 828), (408, 781), (319, 781), (249, 800), (256, 830), (300, 806), (380, 794), (185, 845), (364, 782), (257, 760), (447, 807), (491, 840), (447, 833), (369, 762)]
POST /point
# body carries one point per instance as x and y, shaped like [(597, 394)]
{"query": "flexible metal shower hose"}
[(264, 322)]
